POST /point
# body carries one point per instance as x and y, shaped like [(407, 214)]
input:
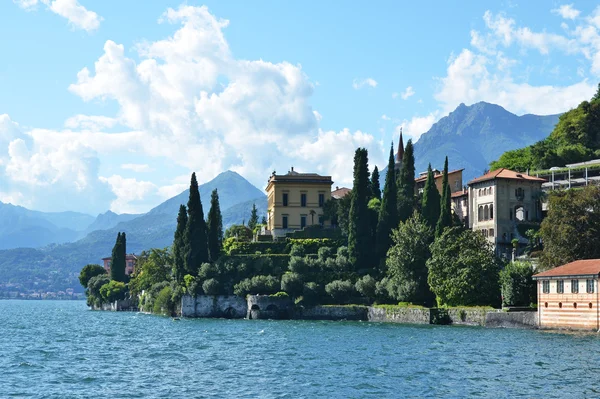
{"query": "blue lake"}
[(60, 349)]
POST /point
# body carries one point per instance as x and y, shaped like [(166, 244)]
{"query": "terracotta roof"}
[(587, 267), (438, 176), (340, 192), (460, 193), (503, 173)]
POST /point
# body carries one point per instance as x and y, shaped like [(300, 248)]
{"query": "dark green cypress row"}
[(253, 221), (359, 232), (215, 227), (196, 241), (388, 215), (445, 219), (179, 245), (117, 263), (406, 186), (375, 186), (431, 200)]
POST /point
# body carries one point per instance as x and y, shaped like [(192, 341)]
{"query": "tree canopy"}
[(359, 232), (215, 227), (388, 214), (117, 263), (179, 245), (430, 207), (195, 233)]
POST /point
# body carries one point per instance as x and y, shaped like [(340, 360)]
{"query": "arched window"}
[(519, 213), (486, 214), (480, 214), (479, 193), (491, 190), (492, 212)]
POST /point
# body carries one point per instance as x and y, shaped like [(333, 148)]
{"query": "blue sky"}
[(111, 105)]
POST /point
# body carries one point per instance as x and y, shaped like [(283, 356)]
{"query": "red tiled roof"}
[(503, 173), (460, 193), (438, 176), (587, 267), (340, 192)]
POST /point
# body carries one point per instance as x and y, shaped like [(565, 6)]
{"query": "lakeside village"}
[(425, 249)]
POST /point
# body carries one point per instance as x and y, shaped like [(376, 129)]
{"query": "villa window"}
[(492, 212), (302, 221), (486, 213), (321, 200), (574, 286), (285, 222), (589, 286), (303, 200), (491, 232), (546, 286), (560, 287), (456, 185), (285, 199), (480, 214)]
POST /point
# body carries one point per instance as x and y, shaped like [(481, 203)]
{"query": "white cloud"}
[(90, 122), (567, 11), (395, 95), (137, 167), (385, 117), (418, 125), (78, 16), (360, 83), (133, 196), (407, 93)]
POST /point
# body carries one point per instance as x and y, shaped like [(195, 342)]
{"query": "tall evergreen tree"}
[(253, 221), (179, 245), (431, 200), (117, 264), (215, 227), (196, 242), (360, 240), (388, 214), (406, 184), (445, 219), (375, 186)]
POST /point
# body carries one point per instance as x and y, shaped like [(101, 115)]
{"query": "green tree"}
[(343, 213), (88, 272), (179, 247), (195, 233), (463, 269), (241, 232), (375, 186), (113, 290), (518, 288), (406, 261), (117, 263), (153, 267), (406, 183), (292, 284), (430, 207), (359, 232), (341, 291), (93, 289), (253, 221), (215, 228), (445, 219), (388, 215), (571, 231)]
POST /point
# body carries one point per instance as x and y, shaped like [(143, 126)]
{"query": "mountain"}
[(474, 136), (108, 220), (21, 227), (59, 265)]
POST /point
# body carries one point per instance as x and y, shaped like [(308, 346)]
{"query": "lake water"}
[(59, 349)]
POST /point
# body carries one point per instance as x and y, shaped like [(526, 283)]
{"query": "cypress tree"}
[(196, 243), (179, 245), (253, 221), (360, 239), (375, 186), (445, 219), (117, 265), (264, 220), (431, 200), (215, 227), (388, 215), (406, 184)]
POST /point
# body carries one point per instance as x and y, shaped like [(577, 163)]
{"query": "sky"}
[(112, 104)]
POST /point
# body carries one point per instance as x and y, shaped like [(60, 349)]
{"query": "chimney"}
[(292, 168)]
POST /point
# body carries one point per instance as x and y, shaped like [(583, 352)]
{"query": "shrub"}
[(207, 271), (518, 288), (341, 291), (88, 272), (265, 285), (325, 253), (297, 250), (163, 303), (191, 285), (292, 284), (113, 291), (298, 265), (382, 291), (312, 292), (95, 283), (366, 286), (280, 294), (211, 287)]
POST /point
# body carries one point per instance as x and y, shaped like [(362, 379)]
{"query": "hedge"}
[(311, 246)]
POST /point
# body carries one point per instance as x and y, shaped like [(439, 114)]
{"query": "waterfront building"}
[(568, 296), (454, 180), (502, 205), (295, 201), (570, 176), (130, 263), (340, 192), (460, 205)]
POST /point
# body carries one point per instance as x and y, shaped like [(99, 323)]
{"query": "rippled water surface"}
[(55, 349)]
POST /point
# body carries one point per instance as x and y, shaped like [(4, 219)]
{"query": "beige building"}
[(501, 200), (568, 296), (460, 205), (454, 180), (295, 201)]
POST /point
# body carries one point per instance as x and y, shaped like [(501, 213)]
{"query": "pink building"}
[(130, 262)]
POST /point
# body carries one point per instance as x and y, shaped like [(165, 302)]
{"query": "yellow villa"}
[(296, 200)]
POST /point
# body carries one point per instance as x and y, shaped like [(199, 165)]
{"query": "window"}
[(321, 200), (480, 214), (491, 232), (285, 222), (285, 199), (560, 287), (303, 199), (492, 212), (456, 185), (491, 190), (510, 212), (546, 287), (589, 286), (486, 213), (302, 221), (574, 286)]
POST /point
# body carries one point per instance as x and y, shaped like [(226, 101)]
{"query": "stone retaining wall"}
[(269, 307), (467, 316), (512, 319), (121, 305), (332, 313), (400, 315), (219, 306)]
